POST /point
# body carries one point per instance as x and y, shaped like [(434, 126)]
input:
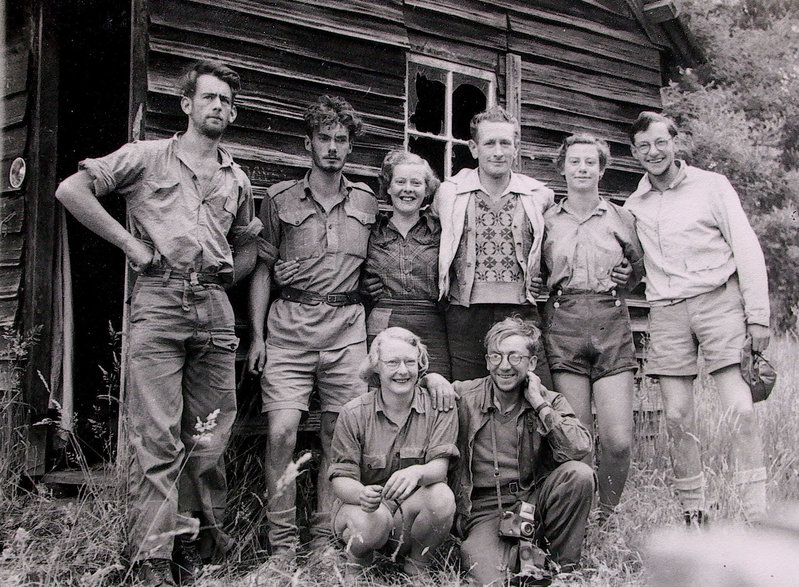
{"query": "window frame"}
[(450, 69)]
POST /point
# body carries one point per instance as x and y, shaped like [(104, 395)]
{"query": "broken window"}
[(442, 98)]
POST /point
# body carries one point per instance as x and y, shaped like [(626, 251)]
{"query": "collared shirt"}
[(190, 225), (695, 235), (369, 446), (546, 440), (331, 247), (407, 266), (581, 252), (454, 205)]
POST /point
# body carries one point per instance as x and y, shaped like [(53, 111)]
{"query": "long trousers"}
[(562, 505), (181, 404)]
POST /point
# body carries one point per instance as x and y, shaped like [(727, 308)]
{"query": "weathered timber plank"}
[(209, 21), (16, 74), (592, 42), (10, 279), (11, 245), (14, 141), (578, 103), (529, 46), (12, 214), (612, 88), (463, 32), (8, 311), (271, 71), (468, 10), (451, 50), (323, 17), (15, 109), (535, 116)]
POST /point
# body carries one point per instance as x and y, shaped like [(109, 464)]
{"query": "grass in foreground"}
[(49, 541)]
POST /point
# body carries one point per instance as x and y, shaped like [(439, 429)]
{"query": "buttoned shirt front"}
[(331, 248), (544, 441), (369, 446), (695, 235), (454, 206), (581, 252), (190, 225), (407, 266)]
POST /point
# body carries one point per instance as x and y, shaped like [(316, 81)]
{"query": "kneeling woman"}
[(391, 452), (588, 243)]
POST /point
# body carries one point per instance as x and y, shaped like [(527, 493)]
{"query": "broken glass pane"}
[(431, 150), (467, 100), (427, 91)]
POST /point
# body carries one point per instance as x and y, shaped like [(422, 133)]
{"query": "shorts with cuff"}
[(588, 334), (290, 375), (713, 322)]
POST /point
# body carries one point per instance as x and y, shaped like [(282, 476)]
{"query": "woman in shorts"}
[(391, 452), (403, 254), (587, 332)]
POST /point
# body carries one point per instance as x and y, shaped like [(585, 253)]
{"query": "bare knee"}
[(282, 433), (368, 531), (439, 502), (616, 445)]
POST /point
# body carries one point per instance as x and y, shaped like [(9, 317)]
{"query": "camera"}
[(519, 523)]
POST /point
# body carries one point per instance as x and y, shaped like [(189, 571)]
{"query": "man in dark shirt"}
[(518, 441), (191, 218)]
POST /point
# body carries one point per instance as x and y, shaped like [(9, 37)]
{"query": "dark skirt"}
[(420, 317)]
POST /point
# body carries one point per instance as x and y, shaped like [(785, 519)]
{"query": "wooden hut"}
[(84, 76)]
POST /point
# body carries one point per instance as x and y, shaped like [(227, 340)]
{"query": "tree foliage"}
[(739, 114)]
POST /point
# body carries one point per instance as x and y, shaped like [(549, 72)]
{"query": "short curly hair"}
[(514, 326), (332, 110), (583, 138), (188, 81), (401, 157), (368, 371)]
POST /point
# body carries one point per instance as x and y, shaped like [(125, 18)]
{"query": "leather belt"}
[(193, 277), (511, 488), (301, 296)]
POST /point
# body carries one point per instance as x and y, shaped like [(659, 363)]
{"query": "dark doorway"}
[(94, 69)]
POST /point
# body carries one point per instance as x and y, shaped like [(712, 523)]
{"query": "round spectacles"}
[(514, 359), (395, 363), (660, 144)]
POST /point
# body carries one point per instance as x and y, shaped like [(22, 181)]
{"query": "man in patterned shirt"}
[(491, 231)]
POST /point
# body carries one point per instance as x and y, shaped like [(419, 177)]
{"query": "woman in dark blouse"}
[(403, 253)]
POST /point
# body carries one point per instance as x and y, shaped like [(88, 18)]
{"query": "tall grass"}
[(48, 541)]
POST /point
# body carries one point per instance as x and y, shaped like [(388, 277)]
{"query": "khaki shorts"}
[(290, 375), (713, 321)]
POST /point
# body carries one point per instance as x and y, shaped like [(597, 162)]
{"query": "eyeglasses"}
[(661, 144), (513, 358), (394, 364)]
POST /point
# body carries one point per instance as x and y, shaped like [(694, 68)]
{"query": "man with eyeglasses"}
[(518, 442), (707, 286)]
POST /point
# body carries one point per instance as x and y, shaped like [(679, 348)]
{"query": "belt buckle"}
[(335, 298), (513, 487)]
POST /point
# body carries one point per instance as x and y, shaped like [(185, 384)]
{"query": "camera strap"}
[(496, 459)]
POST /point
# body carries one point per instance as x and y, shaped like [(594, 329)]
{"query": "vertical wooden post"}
[(513, 92), (40, 223)]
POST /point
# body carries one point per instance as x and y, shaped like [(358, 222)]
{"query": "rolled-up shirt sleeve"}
[(346, 449), (269, 239), (443, 438), (246, 226), (116, 171), (567, 437)]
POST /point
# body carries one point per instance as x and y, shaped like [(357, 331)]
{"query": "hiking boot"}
[(187, 562), (155, 572), (695, 518)]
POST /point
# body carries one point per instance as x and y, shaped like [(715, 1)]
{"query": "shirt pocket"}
[(356, 231), (706, 260), (375, 463), (411, 455), (161, 197), (303, 236)]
